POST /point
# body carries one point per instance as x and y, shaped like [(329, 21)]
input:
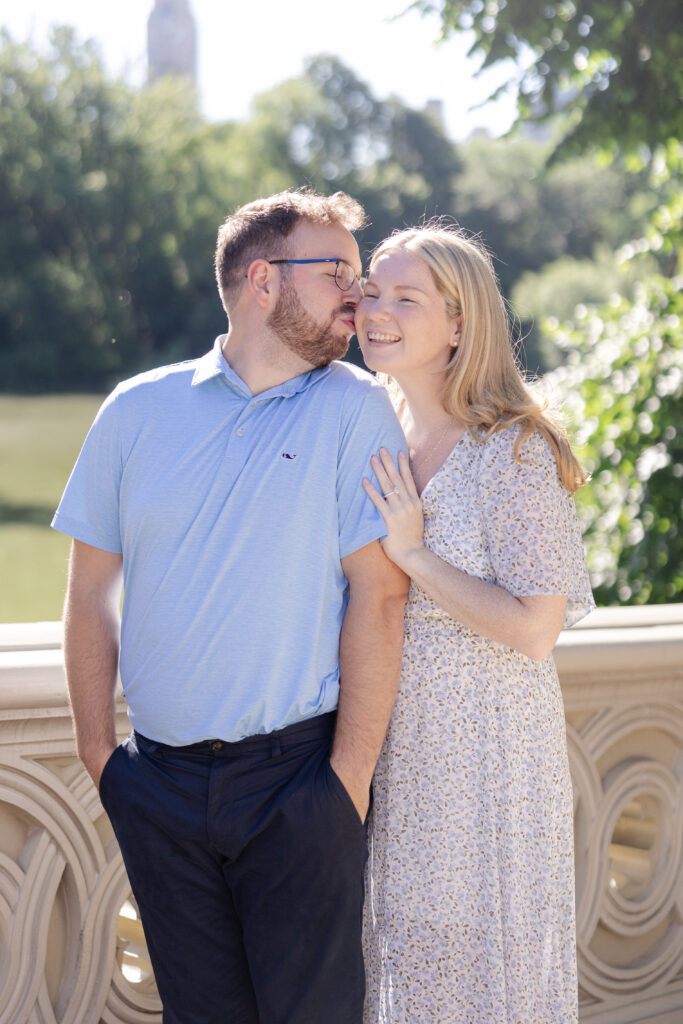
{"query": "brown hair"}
[(260, 229), (484, 387)]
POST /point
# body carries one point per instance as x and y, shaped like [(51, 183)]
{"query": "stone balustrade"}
[(71, 945), (622, 683)]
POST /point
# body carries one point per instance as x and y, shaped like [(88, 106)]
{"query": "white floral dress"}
[(469, 915)]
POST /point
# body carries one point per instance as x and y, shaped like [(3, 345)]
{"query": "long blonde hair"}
[(484, 387)]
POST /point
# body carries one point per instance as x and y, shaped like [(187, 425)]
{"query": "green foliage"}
[(99, 187), (53, 173), (548, 227), (562, 285), (529, 215), (615, 64), (566, 283), (110, 199), (621, 387)]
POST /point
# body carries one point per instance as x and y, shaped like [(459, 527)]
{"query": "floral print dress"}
[(469, 915)]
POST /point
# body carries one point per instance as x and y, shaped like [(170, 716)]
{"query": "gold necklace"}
[(429, 454)]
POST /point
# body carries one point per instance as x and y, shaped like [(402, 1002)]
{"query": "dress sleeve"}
[(530, 524)]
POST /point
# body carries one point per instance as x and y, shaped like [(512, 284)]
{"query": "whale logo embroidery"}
[(287, 455)]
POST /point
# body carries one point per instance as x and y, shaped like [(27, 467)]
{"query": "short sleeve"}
[(530, 523), (369, 424), (89, 509)]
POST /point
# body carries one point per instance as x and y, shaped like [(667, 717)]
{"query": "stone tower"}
[(171, 40)]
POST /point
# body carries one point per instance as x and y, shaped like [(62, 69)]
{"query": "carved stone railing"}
[(622, 684), (71, 944)]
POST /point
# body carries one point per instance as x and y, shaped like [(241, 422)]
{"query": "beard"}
[(316, 343)]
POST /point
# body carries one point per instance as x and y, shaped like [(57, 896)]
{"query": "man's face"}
[(313, 317)]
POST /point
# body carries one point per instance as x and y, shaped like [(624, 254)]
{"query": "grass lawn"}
[(40, 438)]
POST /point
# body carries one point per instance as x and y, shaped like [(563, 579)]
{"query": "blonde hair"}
[(483, 387)]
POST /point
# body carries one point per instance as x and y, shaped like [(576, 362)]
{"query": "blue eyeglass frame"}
[(328, 259)]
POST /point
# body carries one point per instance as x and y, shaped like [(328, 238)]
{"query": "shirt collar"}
[(214, 364)]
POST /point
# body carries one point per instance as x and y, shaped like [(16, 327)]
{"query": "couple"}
[(240, 499)]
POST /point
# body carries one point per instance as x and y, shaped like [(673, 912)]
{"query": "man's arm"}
[(370, 665), (91, 650)]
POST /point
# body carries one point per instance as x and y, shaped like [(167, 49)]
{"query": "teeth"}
[(376, 336)]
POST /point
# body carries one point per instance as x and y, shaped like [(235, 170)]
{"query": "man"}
[(260, 635)]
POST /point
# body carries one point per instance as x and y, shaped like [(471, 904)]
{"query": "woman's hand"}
[(399, 506)]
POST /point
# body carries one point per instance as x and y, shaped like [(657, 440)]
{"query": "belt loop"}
[(275, 747)]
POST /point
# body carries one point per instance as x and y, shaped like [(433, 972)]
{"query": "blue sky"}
[(245, 48)]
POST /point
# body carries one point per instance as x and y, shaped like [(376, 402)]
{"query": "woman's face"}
[(402, 323)]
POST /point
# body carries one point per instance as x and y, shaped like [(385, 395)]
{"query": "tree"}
[(553, 293), (530, 215), (614, 66), (106, 198), (548, 226), (59, 167), (622, 387)]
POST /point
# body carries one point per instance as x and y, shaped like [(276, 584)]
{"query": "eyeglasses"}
[(344, 274)]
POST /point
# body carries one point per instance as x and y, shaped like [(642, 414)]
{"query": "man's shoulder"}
[(362, 402), (350, 379), (343, 371), (156, 384), (170, 374)]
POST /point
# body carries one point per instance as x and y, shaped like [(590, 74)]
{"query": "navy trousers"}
[(246, 861)]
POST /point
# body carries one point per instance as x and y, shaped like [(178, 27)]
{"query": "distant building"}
[(171, 41), (436, 109)]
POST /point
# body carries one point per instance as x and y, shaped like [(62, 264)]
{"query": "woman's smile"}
[(382, 338)]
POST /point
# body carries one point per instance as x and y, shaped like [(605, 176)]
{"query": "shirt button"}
[(216, 745), (240, 432)]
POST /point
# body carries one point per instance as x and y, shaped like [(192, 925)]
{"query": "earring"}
[(453, 343)]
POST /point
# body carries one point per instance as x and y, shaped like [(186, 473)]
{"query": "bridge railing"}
[(71, 944)]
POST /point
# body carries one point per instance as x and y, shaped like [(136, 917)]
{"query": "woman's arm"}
[(529, 625)]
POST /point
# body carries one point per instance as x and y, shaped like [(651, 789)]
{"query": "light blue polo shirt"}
[(233, 512)]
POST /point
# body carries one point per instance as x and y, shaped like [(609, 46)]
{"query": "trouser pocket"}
[(342, 794), (103, 787)]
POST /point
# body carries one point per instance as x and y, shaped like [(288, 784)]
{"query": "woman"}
[(470, 902)]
